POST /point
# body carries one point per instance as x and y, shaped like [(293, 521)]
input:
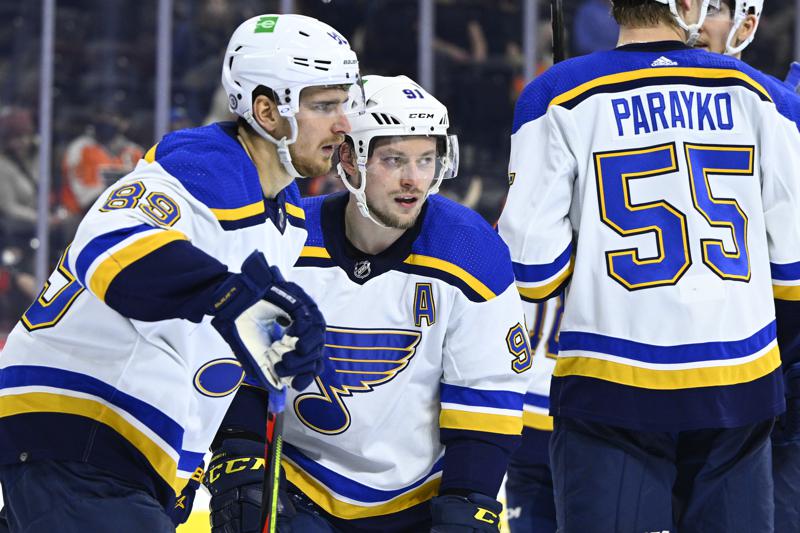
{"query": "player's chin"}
[(406, 219), (314, 167)]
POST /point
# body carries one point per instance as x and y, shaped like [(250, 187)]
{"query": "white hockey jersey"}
[(678, 172), (426, 342), (544, 320), (82, 380)]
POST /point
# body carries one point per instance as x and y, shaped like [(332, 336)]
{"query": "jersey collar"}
[(360, 267), (655, 46)]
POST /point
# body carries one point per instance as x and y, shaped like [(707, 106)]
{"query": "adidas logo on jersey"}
[(663, 62)]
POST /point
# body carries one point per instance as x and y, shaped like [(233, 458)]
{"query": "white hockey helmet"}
[(741, 9), (397, 107), (692, 29), (287, 53)]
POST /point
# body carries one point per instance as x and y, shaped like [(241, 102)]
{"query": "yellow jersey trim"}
[(544, 291), (150, 156), (692, 72), (648, 378), (454, 270), (485, 422), (315, 251), (44, 402), (786, 292), (537, 421), (119, 260), (296, 212), (322, 496), (239, 213)]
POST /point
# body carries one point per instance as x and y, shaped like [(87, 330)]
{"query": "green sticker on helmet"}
[(266, 24)]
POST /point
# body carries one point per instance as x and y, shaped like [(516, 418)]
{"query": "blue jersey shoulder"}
[(793, 77), (458, 242), (294, 205), (211, 165), (571, 82), (312, 207)]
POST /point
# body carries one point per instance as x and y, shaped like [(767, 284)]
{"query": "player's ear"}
[(685, 6), (747, 29), (265, 111), (346, 157)]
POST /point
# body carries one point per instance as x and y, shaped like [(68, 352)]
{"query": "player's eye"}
[(393, 161), (425, 162), (325, 107)]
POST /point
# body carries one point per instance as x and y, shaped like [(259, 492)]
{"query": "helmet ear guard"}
[(693, 30), (742, 9), (398, 107)]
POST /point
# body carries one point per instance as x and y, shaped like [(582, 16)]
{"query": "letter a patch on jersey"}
[(358, 361)]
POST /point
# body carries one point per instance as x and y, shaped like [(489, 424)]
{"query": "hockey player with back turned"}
[(728, 30), (114, 382), (680, 185), (410, 426)]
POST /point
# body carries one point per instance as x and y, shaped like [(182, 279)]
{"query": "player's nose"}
[(342, 125)]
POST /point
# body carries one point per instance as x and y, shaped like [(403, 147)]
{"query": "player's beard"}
[(310, 167), (392, 220)]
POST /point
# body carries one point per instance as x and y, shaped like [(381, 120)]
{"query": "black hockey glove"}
[(475, 513), (788, 427), (183, 504), (234, 479), (245, 307)]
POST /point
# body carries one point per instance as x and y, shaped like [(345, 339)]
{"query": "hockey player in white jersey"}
[(680, 183), (529, 481), (115, 380), (729, 30), (410, 426)]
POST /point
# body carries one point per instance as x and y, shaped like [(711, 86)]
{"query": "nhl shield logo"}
[(362, 269)]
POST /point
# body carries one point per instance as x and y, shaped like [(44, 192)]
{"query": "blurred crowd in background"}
[(103, 94)]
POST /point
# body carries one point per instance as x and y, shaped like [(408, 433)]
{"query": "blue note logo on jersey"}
[(219, 377), (358, 360)]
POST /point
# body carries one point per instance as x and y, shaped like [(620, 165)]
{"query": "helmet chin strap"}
[(692, 29), (282, 144), (360, 195)]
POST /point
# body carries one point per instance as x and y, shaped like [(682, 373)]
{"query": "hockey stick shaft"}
[(273, 446), (272, 461), (559, 38)]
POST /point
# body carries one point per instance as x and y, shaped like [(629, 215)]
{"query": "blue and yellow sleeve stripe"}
[(539, 282), (488, 411), (315, 256), (535, 413), (475, 289), (655, 367), (786, 281), (150, 155), (105, 256), (295, 215), (238, 213)]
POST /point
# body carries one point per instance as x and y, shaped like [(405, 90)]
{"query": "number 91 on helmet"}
[(398, 109)]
